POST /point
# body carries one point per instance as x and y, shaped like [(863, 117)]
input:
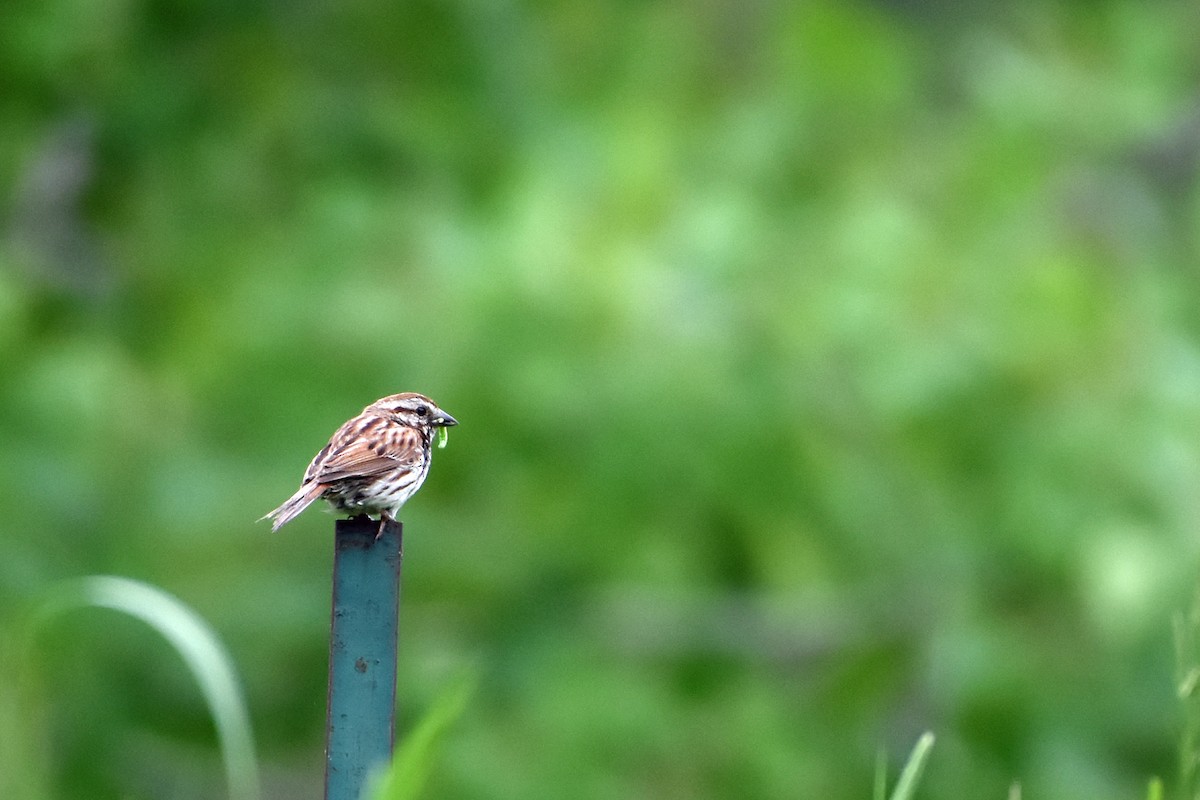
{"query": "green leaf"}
[(195, 642), (405, 779), (906, 787)]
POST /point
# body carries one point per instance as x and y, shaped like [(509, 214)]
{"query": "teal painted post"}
[(360, 721)]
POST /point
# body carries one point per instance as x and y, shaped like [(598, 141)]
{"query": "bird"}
[(374, 463)]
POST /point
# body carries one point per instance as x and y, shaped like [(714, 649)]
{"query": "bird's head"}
[(416, 410)]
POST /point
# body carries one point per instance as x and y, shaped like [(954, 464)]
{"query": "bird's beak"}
[(445, 420)]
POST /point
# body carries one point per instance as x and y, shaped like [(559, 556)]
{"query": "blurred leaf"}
[(408, 774), (910, 776), (195, 642)]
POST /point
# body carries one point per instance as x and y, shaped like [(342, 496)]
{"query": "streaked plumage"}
[(374, 462)]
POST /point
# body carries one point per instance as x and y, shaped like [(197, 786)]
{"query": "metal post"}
[(360, 721)]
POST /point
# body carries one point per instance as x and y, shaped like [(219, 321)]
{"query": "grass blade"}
[(906, 787), (200, 649), (405, 779)]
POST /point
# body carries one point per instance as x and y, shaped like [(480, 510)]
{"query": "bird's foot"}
[(384, 519)]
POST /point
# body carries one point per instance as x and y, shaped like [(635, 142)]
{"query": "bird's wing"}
[(361, 456)]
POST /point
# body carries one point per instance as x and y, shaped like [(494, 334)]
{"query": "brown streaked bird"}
[(373, 463)]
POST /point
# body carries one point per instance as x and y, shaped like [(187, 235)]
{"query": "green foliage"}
[(910, 776), (408, 774), (1187, 676), (194, 641), (828, 372)]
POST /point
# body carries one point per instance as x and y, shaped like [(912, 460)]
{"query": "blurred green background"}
[(828, 372)]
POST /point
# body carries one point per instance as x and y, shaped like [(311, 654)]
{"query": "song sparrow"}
[(374, 463)]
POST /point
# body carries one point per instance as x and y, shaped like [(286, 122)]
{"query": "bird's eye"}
[(422, 411)]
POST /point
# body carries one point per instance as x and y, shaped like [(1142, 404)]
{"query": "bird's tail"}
[(293, 505)]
